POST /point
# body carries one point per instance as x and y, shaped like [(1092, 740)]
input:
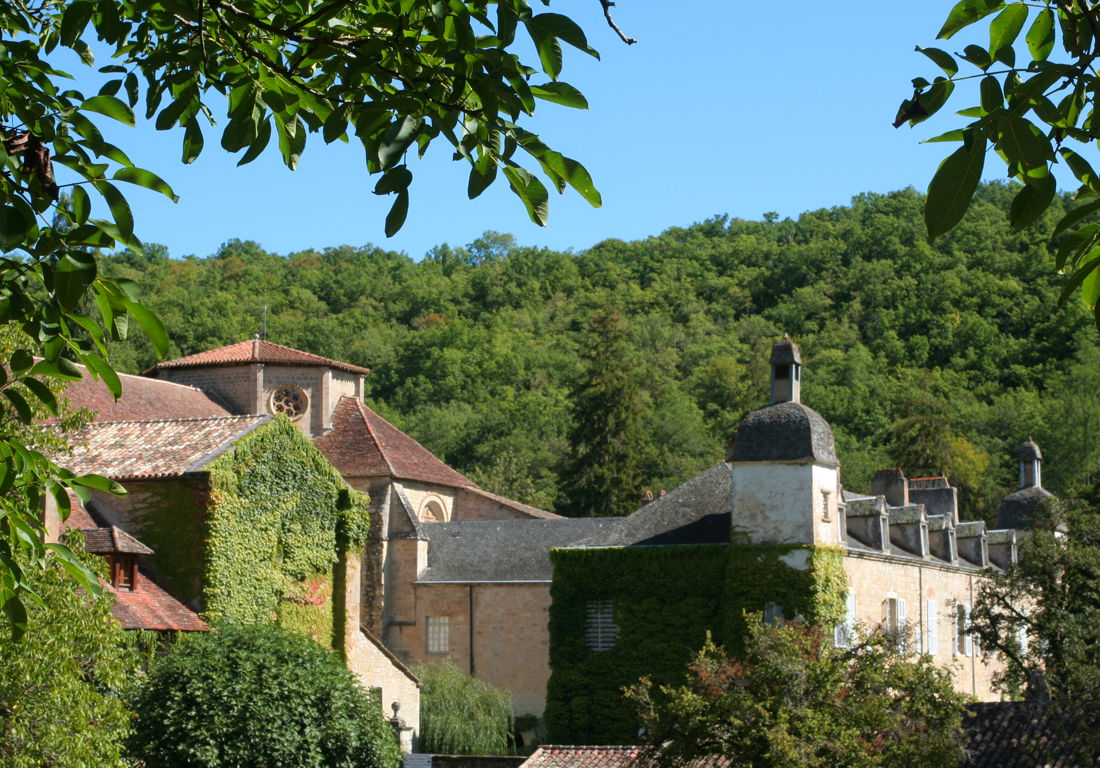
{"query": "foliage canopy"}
[(1035, 109), (257, 696), (793, 701), (460, 714)]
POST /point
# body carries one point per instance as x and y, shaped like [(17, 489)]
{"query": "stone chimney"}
[(891, 484), (786, 372)]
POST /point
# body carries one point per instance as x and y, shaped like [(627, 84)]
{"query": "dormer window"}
[(123, 571)]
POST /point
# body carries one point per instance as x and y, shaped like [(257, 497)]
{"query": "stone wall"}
[(874, 579), (236, 386)]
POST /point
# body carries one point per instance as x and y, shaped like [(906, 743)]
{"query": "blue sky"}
[(722, 107)]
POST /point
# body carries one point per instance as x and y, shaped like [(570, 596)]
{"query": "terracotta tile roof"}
[(106, 540), (150, 606), (148, 449), (142, 398), (1031, 734), (363, 444), (255, 351), (556, 756)]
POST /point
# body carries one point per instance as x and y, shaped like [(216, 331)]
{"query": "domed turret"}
[(1017, 509), (784, 432)]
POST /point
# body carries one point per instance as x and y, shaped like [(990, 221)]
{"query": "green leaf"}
[(394, 180), (1081, 168), (82, 204), (147, 179), (395, 219), (17, 616), (15, 227), (1075, 244), (104, 371), (71, 278), (43, 393), (397, 138), (23, 411), (1088, 266), (560, 93), (942, 59), (74, 20), (953, 186), (192, 141), (482, 174), (99, 483), (531, 191), (965, 13), (111, 107), (120, 209), (977, 56), (292, 139), (1076, 215), (1004, 29), (149, 323), (992, 98), (1032, 201), (263, 137), (1040, 38), (1022, 142)]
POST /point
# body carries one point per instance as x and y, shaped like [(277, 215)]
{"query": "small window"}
[(964, 641), (438, 634), (782, 372), (122, 571), (773, 613), (844, 634), (894, 621), (601, 632)]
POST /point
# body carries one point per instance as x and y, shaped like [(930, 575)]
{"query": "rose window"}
[(290, 401)]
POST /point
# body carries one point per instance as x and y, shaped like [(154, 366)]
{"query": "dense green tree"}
[(603, 475), (63, 685), (258, 696), (460, 714), (793, 701)]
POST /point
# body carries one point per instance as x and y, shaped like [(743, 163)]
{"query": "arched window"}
[(433, 511)]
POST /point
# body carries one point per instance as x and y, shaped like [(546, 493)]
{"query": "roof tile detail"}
[(551, 756), (149, 449), (142, 398), (109, 540), (363, 444), (256, 351)]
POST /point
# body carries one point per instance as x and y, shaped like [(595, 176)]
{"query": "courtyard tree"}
[(791, 700), (257, 696), (393, 75), (461, 715), (1034, 88)]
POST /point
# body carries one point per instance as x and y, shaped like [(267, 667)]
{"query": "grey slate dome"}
[(784, 432), (1029, 451), (1018, 508), (785, 351)]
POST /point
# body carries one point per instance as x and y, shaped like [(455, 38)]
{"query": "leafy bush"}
[(62, 683), (258, 695), (461, 715)]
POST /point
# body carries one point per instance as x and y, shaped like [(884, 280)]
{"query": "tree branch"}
[(607, 6)]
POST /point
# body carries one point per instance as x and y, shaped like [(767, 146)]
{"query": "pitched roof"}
[(108, 540), (1031, 734), (553, 756), (255, 351), (363, 444), (142, 398), (501, 550), (149, 449)]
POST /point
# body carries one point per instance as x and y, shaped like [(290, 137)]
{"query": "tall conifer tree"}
[(603, 475)]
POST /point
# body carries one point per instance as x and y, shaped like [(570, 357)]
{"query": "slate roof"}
[(501, 550), (142, 399), (151, 449), (785, 351), (111, 539), (1018, 508), (1029, 451), (1031, 734), (363, 444), (256, 351), (525, 509), (786, 431), (697, 512)]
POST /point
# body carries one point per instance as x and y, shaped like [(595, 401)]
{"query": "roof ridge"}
[(234, 417)]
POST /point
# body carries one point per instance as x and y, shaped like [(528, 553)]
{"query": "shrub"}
[(258, 695), (461, 715)]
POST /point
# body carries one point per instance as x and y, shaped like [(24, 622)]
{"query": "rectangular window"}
[(438, 634), (844, 634), (964, 641), (894, 621), (600, 632), (932, 645)]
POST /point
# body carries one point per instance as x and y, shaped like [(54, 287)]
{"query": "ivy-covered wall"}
[(665, 600), (278, 517)]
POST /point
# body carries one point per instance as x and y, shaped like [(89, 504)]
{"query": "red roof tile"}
[(106, 540), (363, 444), (148, 449), (142, 398), (151, 607), (552, 756), (256, 351)]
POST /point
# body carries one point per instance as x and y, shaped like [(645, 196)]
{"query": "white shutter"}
[(902, 639), (930, 647), (844, 633), (1023, 633), (969, 637)]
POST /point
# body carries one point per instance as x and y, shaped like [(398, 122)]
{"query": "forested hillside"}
[(933, 357)]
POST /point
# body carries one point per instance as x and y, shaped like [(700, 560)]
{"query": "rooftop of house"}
[(697, 512), (142, 399), (1031, 734), (125, 450), (557, 756), (363, 444), (110, 540), (787, 431), (255, 351), (501, 550)]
